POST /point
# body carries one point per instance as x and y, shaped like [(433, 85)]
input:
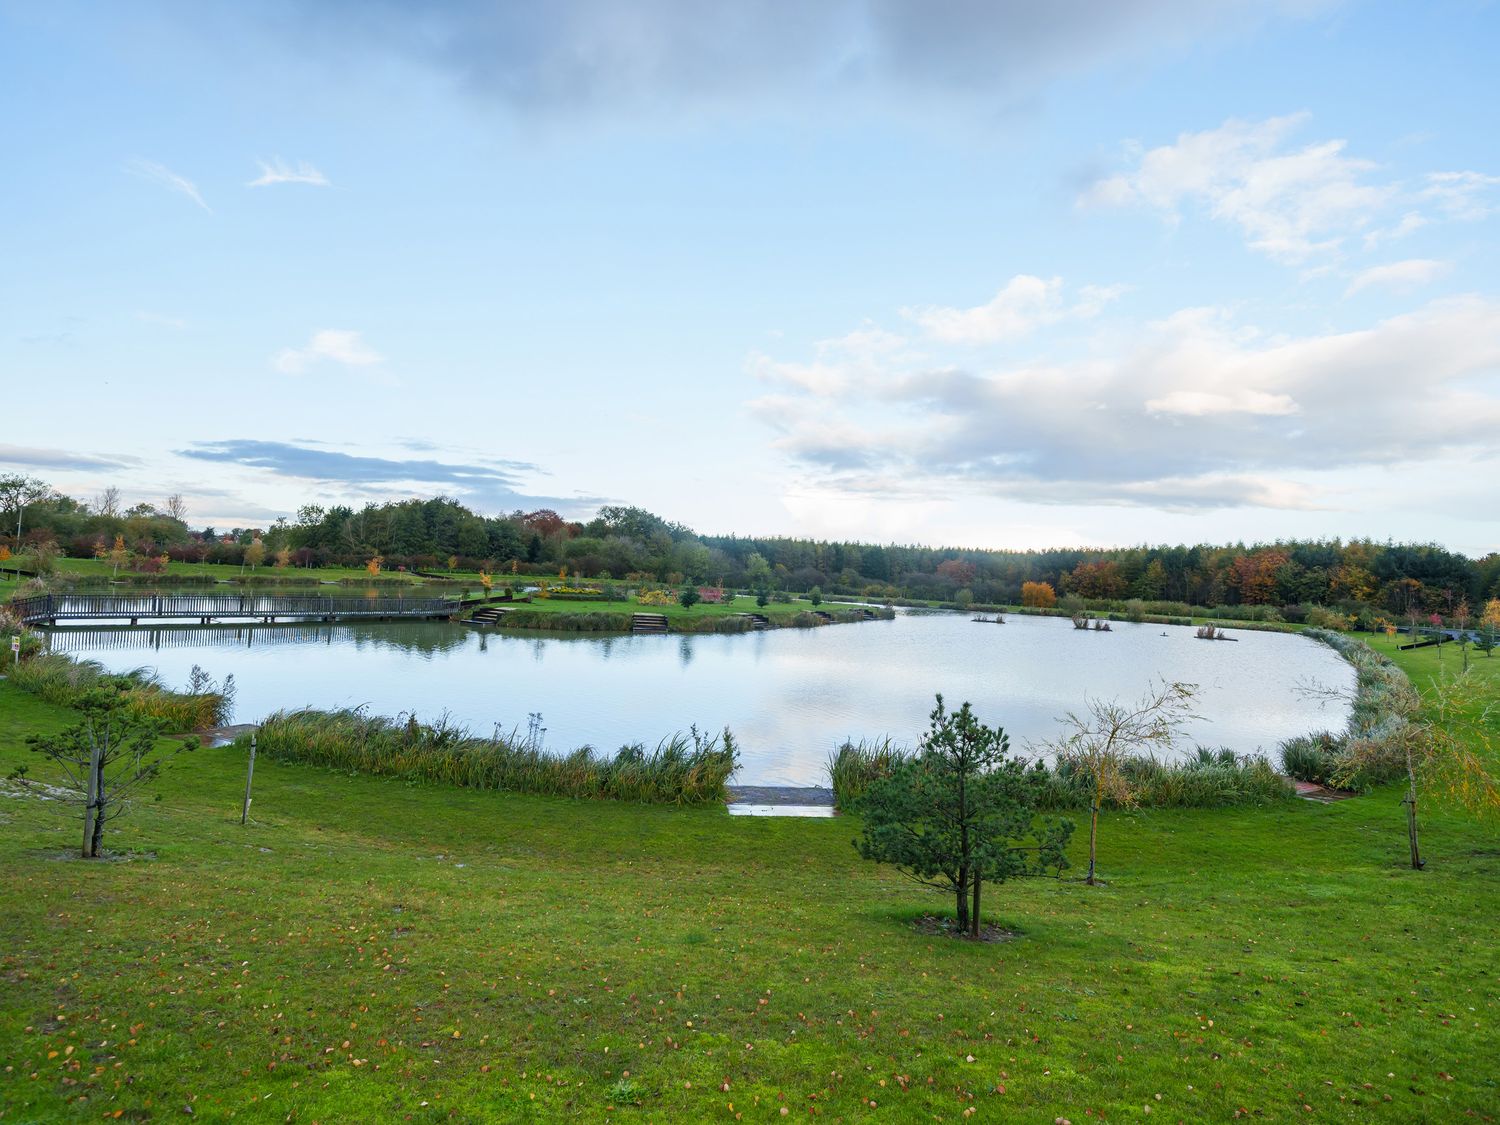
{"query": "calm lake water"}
[(789, 695)]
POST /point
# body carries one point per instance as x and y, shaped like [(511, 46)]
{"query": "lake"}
[(789, 695)]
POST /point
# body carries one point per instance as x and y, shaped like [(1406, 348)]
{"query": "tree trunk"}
[(101, 807), (974, 921), (91, 811), (963, 900), (99, 830), (1093, 837), (1410, 801)]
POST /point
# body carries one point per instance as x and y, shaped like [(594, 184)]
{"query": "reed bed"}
[(1208, 780), (59, 679), (686, 768), (1211, 779), (595, 621), (725, 623)]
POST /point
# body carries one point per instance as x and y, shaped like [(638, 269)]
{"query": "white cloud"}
[(840, 360), (1401, 276), (1291, 204), (1462, 195), (1200, 404), (1409, 222), (1195, 411), (161, 174), (334, 345), (1024, 304), (279, 171)]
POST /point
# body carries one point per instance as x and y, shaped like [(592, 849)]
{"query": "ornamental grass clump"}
[(1312, 757), (855, 765), (686, 768)]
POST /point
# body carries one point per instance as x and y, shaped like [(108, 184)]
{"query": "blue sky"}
[(982, 273)]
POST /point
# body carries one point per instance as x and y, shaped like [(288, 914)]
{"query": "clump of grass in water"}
[(686, 768), (854, 765)]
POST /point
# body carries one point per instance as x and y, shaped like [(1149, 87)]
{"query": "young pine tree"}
[(959, 813)]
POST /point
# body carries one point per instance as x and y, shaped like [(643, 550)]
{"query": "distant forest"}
[(628, 543)]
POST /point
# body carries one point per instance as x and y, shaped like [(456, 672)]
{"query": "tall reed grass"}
[(59, 679), (686, 768), (854, 765), (593, 621), (1210, 779)]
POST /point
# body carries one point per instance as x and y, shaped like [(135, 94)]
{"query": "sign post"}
[(249, 777)]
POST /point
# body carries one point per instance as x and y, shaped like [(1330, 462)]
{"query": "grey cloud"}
[(33, 457), (577, 55), (331, 465), (488, 484)]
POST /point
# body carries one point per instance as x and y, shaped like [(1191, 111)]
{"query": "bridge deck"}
[(51, 608)]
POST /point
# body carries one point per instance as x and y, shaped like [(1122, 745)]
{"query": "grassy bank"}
[(370, 950), (614, 616)]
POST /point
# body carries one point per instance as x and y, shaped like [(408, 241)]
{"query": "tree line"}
[(630, 543)]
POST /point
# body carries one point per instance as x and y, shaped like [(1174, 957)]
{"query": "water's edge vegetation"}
[(61, 680), (686, 768), (1370, 751), (1211, 779)]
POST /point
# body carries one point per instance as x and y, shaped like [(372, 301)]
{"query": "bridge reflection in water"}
[(426, 638)]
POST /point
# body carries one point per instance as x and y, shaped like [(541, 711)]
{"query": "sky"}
[(988, 274)]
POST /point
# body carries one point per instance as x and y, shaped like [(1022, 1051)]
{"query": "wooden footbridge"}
[(49, 609)]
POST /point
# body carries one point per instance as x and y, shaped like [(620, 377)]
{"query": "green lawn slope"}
[(367, 950)]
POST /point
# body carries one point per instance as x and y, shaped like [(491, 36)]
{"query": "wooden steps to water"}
[(648, 623), (488, 615)]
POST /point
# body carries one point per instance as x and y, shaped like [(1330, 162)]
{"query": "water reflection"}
[(425, 638), (789, 695)]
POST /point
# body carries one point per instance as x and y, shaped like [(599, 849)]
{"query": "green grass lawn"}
[(1423, 665), (371, 951)]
